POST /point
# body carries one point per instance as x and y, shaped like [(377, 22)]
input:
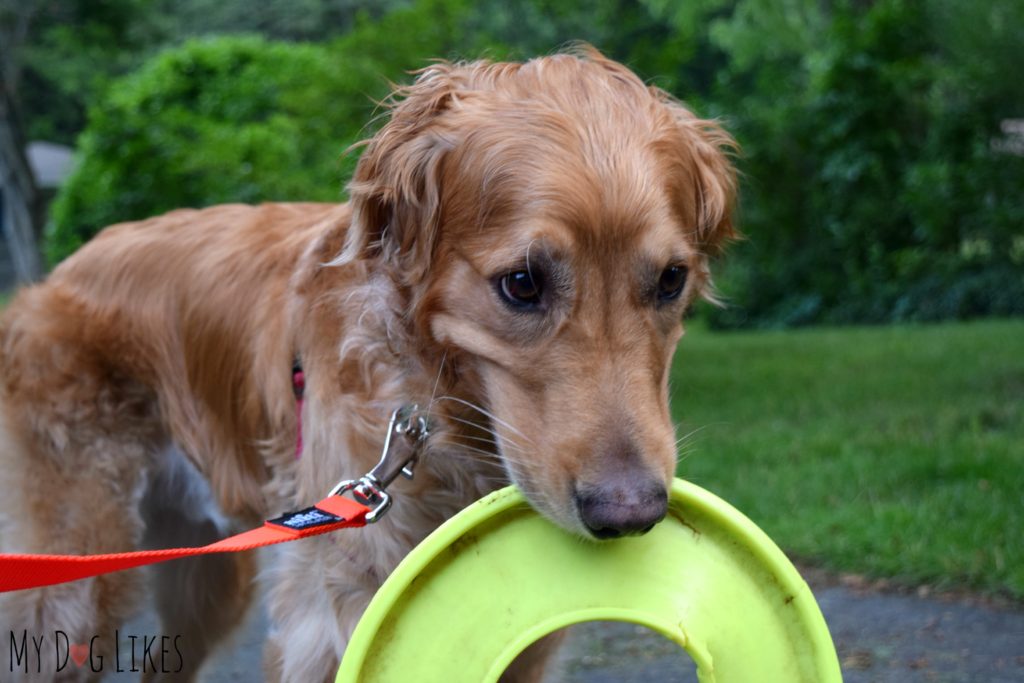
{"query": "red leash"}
[(407, 431), (32, 571)]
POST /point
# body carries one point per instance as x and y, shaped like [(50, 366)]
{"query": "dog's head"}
[(548, 223)]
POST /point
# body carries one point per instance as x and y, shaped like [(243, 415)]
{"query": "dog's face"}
[(550, 222)]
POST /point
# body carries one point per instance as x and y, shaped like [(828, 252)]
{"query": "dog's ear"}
[(705, 154), (396, 188)]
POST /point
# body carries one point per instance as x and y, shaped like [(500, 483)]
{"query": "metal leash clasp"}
[(407, 432)]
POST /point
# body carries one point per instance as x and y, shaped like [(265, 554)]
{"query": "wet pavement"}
[(881, 636)]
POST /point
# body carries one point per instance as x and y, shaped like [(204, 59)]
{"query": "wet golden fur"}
[(177, 334)]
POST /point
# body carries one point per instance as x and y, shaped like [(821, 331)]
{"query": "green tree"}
[(59, 55), (868, 160)]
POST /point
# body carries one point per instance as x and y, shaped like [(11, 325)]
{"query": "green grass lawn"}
[(892, 451)]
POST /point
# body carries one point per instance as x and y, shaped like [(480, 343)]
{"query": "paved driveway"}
[(882, 637)]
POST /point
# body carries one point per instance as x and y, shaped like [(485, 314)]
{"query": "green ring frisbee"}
[(498, 576)]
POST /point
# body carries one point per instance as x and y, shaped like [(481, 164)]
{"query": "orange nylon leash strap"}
[(407, 432), (18, 572)]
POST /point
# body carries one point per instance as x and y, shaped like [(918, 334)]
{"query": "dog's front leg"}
[(316, 602), (532, 663), (321, 586)]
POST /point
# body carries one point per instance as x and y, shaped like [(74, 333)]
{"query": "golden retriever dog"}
[(520, 245)]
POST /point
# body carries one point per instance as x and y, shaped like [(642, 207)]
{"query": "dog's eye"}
[(671, 283), (521, 288)]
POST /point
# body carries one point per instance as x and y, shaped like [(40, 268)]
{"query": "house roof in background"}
[(51, 163)]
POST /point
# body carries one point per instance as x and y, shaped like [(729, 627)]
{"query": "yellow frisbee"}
[(498, 576)]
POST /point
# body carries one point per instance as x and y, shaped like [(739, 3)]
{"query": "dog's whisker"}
[(499, 437), (483, 463), (683, 444), (459, 454), (529, 271), (493, 429), (494, 481), (507, 446), (686, 451), (480, 455), (482, 439), (487, 413), (497, 473), (684, 454), (491, 455), (476, 425), (511, 455), (437, 382), (685, 437)]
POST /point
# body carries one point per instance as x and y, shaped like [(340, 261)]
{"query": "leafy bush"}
[(239, 119), (234, 119)]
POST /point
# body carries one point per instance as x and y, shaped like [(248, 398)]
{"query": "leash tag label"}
[(308, 518)]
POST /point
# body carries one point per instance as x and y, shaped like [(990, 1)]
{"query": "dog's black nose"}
[(621, 509)]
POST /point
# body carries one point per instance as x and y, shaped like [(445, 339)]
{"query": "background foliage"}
[(882, 168), (238, 119)]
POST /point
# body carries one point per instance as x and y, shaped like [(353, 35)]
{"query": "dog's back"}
[(169, 318)]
